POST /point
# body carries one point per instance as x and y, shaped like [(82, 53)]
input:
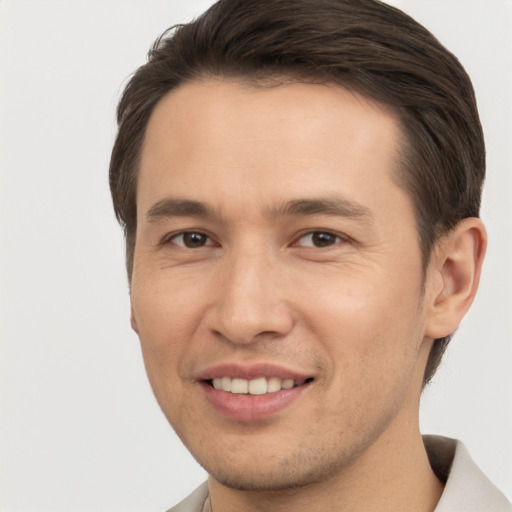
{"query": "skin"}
[(356, 314)]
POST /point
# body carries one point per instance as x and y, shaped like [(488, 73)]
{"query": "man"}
[(299, 183)]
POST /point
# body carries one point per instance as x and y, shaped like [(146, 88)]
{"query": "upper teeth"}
[(258, 386)]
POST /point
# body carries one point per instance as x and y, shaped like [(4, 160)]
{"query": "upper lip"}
[(249, 372)]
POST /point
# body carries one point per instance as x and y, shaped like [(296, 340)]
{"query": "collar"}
[(466, 487)]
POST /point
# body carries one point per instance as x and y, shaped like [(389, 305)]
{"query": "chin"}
[(277, 475), (258, 482)]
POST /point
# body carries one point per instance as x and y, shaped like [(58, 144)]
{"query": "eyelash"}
[(335, 238), (183, 234), (331, 235)]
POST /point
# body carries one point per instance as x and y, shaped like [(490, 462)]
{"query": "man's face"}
[(275, 249)]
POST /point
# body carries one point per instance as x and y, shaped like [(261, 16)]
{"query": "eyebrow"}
[(175, 207), (336, 206), (340, 207)]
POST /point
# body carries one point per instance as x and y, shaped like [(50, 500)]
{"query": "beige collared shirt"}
[(467, 489)]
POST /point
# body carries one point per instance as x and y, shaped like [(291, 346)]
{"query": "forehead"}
[(232, 141)]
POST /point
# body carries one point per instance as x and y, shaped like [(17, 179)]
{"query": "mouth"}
[(254, 398), (258, 386), (253, 391)]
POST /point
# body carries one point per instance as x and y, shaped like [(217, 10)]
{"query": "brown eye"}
[(191, 240), (318, 239)]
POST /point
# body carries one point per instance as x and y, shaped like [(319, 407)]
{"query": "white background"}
[(80, 430)]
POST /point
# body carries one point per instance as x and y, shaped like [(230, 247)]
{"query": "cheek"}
[(166, 320), (165, 309), (163, 328), (370, 328), (371, 354)]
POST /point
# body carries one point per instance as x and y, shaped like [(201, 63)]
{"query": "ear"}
[(454, 274), (133, 321)]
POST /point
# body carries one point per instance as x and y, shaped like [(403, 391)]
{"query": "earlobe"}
[(133, 321), (457, 264)]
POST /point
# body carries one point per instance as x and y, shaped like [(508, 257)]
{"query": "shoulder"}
[(193, 502)]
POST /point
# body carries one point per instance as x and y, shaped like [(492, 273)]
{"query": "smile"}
[(259, 386)]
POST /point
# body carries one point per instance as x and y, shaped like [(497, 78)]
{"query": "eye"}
[(318, 239), (191, 240)]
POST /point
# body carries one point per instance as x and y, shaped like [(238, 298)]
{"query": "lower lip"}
[(251, 407)]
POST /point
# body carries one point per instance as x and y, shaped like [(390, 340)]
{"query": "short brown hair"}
[(363, 45)]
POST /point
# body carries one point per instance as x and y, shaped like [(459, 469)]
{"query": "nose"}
[(250, 302)]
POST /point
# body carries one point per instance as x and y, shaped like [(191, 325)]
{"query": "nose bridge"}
[(250, 299)]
